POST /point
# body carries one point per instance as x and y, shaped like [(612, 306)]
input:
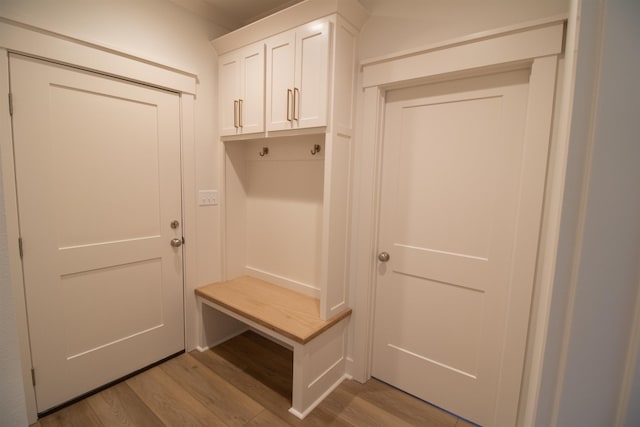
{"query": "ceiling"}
[(247, 11), (233, 14)]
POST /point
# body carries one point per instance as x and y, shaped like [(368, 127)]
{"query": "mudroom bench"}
[(293, 320)]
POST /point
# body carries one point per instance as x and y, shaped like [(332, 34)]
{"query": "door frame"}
[(41, 44), (535, 45)]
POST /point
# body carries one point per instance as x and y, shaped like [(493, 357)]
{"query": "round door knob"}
[(383, 256), (176, 243)]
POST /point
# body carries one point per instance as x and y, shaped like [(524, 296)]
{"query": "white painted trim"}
[(46, 45), (367, 166), (285, 282), (598, 35), (523, 45), (497, 32), (12, 224), (542, 84), (541, 308), (497, 49), (189, 220), (43, 44)]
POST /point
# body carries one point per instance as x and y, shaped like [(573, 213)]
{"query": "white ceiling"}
[(233, 14), (247, 11)]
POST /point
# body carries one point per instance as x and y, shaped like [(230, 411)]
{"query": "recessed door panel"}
[(451, 190)]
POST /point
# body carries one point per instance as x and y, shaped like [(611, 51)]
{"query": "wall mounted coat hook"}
[(264, 152), (316, 149)]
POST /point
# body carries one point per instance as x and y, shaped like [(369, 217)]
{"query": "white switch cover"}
[(208, 197)]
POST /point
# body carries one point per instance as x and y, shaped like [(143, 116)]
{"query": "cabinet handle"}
[(240, 121), (289, 96), (296, 103), (235, 114)]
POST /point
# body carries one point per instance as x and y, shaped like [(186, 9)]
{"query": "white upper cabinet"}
[(241, 89), (297, 77)]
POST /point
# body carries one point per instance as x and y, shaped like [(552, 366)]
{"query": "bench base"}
[(319, 365)]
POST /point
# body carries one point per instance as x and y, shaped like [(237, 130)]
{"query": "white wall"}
[(597, 279), (404, 24)]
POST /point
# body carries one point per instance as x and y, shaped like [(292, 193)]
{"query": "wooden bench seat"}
[(293, 319), (281, 310)]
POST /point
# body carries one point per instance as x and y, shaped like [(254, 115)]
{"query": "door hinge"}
[(20, 247), (33, 377), (10, 104)]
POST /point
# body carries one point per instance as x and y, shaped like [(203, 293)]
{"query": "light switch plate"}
[(208, 197)]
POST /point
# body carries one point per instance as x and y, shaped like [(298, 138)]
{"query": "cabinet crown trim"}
[(292, 17)]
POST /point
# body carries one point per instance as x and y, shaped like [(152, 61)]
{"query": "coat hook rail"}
[(264, 152), (316, 149)]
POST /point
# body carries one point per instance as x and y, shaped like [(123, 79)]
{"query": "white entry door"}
[(451, 222), (98, 184)]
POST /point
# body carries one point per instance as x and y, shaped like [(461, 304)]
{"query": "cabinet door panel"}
[(311, 75), (229, 70), (280, 69), (252, 91)]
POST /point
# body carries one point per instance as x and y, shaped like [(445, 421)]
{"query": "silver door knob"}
[(383, 256), (176, 243)]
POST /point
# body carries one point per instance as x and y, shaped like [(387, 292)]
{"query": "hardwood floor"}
[(243, 382)]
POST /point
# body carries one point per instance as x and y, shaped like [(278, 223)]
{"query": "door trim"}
[(30, 41), (535, 46)]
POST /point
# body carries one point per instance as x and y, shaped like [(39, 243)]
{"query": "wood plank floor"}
[(243, 382)]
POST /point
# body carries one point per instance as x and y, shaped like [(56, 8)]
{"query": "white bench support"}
[(318, 365)]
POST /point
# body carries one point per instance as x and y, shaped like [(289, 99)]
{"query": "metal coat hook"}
[(264, 152), (316, 149)]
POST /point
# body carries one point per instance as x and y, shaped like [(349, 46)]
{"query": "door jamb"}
[(537, 45)]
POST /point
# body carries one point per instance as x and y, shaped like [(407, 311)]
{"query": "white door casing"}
[(535, 45), (452, 163), (98, 184)]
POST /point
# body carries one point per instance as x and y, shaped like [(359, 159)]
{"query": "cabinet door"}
[(229, 69), (280, 68), (251, 108), (311, 75)]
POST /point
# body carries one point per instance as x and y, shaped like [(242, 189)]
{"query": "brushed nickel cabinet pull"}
[(296, 103), (289, 96), (235, 114)]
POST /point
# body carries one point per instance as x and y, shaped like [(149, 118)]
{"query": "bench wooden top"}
[(286, 312)]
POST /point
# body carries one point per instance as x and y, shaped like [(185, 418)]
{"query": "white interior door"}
[(452, 189), (98, 183)]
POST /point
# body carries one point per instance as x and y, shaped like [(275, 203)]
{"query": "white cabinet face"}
[(229, 92), (297, 77), (280, 75), (241, 89), (311, 75), (251, 102)]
